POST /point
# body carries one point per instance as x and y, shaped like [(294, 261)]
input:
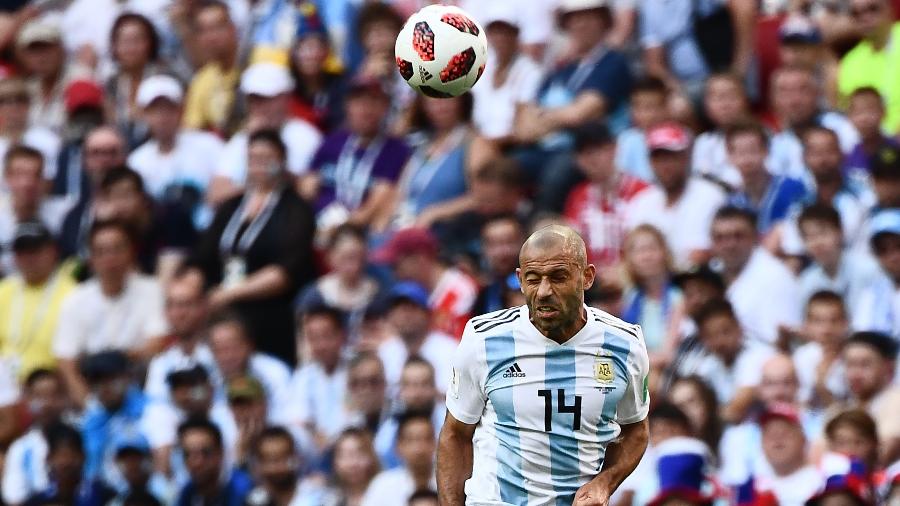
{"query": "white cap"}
[(502, 12), (566, 6), (266, 79), (159, 86), (39, 30)]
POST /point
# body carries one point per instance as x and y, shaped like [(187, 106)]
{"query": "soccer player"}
[(548, 402)]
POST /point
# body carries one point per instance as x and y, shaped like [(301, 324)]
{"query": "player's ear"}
[(521, 281), (590, 273)]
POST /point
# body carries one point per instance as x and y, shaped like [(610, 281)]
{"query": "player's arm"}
[(622, 457), (454, 461)]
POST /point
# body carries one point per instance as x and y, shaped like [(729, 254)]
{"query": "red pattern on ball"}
[(423, 41), (405, 67), (458, 66), (461, 23)]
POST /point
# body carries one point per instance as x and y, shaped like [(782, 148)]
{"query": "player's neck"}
[(562, 335)]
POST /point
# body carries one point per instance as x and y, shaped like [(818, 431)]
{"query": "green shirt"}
[(866, 66)]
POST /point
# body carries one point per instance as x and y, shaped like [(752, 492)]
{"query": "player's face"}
[(554, 287)]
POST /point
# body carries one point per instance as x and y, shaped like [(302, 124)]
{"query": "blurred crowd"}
[(238, 250)]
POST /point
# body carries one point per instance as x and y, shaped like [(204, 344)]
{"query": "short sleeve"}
[(635, 402), (67, 342), (465, 396)]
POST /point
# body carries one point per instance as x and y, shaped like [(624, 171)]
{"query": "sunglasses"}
[(872, 8)]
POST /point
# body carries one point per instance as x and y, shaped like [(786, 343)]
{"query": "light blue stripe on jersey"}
[(564, 461), (500, 352), (620, 347)]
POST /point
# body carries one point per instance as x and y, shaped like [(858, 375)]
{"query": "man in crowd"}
[(277, 465), (212, 480), (501, 240), (366, 389), (416, 446), (792, 479), (16, 128), (248, 406)]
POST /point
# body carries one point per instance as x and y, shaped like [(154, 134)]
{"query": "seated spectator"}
[(65, 464), (437, 171), (869, 369), (854, 276), (233, 350), (651, 300), (796, 106), (867, 64), (697, 399), (681, 206), (277, 468), (165, 233), (416, 393), (366, 389), (591, 86), (101, 314), (346, 286), (212, 478), (512, 79), (134, 463), (411, 319), (745, 267), (135, 51), (598, 208), (769, 196), (792, 480), (249, 409), (31, 301), (725, 104), (186, 310), (352, 175), (648, 102), (84, 112), (866, 110), (175, 163), (818, 362), (24, 468), (880, 301), (26, 199), (116, 408), (501, 239), (698, 287), (258, 249), (266, 87), (211, 94), (355, 465), (800, 44), (412, 254), (17, 129), (416, 446), (318, 95), (376, 28), (318, 390), (854, 433)]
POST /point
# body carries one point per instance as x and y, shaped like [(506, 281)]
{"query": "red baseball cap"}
[(669, 137), (408, 241), (779, 410), (82, 93)]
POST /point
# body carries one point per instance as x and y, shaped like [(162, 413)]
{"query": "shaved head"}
[(778, 381), (553, 237)]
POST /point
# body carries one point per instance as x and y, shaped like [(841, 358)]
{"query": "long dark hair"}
[(711, 430), (149, 30), (419, 120)]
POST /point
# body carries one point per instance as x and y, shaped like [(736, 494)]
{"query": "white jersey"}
[(545, 411)]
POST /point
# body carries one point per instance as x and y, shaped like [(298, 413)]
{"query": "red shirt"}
[(599, 216), (451, 302)]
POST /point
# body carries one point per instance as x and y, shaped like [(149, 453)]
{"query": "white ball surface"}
[(441, 51)]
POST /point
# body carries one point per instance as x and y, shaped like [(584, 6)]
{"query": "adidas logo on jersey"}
[(514, 371)]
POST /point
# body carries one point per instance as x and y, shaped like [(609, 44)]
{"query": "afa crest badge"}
[(603, 370)]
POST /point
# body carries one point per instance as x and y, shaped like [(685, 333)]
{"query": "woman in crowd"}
[(135, 47), (698, 401), (725, 103), (355, 464), (318, 94), (651, 299), (258, 250)]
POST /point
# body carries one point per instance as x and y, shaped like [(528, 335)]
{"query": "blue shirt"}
[(781, 195), (234, 493), (632, 155), (100, 426)]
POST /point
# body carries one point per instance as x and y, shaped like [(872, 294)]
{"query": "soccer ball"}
[(441, 51)]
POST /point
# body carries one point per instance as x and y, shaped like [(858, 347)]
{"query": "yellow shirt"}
[(28, 319), (866, 66), (210, 97)]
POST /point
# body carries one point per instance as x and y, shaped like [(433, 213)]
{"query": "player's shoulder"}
[(497, 322), (616, 325)]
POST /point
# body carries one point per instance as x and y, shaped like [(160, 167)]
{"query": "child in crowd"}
[(726, 104), (818, 363), (866, 112), (648, 108)]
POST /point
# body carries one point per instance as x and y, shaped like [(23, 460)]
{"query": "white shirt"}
[(302, 141), (52, 212), (42, 139), (535, 18), (506, 375), (392, 488), (274, 376), (9, 384), (855, 276), (786, 150), (171, 360), (806, 361), (25, 471), (436, 348), (318, 399), (764, 296), (710, 157), (686, 224), (794, 489), (495, 108), (746, 371), (91, 322)]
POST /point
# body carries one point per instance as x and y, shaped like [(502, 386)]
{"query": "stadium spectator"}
[(880, 300), (175, 163), (866, 110), (885, 177), (792, 480), (134, 464), (85, 112), (249, 407), (745, 267), (598, 207), (276, 466), (866, 64), (258, 249), (678, 199), (412, 254), (854, 433), (355, 466), (318, 95), (210, 101), (698, 287), (366, 392), (266, 88), (212, 479), (800, 43), (725, 104), (101, 314), (818, 362), (697, 399), (424, 497), (16, 128), (353, 173), (501, 240), (24, 469), (377, 26), (416, 445), (648, 102)]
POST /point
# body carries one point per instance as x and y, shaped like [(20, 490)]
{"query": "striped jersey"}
[(545, 412)]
